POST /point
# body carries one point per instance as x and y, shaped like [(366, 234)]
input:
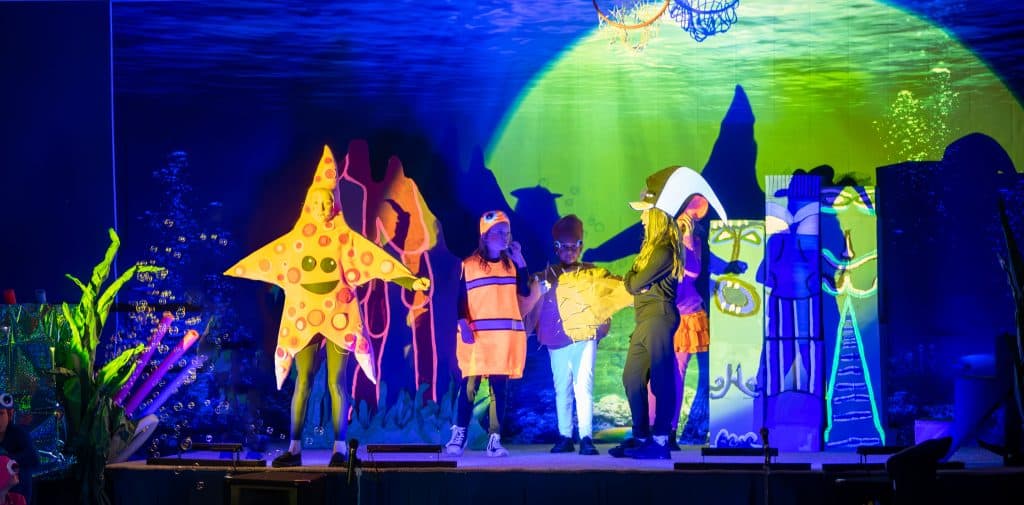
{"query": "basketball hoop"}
[(635, 24), (704, 18)]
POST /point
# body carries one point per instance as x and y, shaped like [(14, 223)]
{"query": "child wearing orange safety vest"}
[(491, 341)]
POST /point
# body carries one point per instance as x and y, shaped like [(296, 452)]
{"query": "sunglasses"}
[(568, 245)]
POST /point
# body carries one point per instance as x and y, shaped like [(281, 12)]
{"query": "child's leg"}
[(561, 374), (337, 385), (583, 384)]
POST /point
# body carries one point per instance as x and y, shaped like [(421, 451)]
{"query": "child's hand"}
[(515, 251), (465, 332)]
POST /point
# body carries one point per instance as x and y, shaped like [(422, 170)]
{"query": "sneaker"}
[(619, 451), (564, 444), (457, 444), (650, 450), (494, 448), (287, 460), (587, 447), (673, 445)]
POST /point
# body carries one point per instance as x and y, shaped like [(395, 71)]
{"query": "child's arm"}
[(659, 266)]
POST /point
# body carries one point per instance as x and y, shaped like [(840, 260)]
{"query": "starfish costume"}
[(318, 264)]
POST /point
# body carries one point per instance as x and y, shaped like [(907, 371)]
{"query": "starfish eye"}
[(308, 263), (328, 265)]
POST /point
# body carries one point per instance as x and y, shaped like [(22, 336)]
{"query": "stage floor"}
[(538, 457), (532, 475)]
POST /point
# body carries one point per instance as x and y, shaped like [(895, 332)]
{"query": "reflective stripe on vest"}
[(489, 281), (496, 324), (491, 293)]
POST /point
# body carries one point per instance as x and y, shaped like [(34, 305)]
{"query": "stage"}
[(533, 475)]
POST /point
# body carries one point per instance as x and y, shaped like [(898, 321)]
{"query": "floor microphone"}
[(353, 444)]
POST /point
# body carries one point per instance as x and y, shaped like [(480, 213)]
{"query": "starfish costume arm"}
[(365, 261)]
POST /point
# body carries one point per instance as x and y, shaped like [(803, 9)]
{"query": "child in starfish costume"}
[(318, 264)]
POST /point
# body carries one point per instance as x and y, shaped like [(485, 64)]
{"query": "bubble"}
[(186, 443), (209, 439), (270, 430), (206, 403), (282, 437), (200, 485), (191, 405), (177, 406), (319, 430)]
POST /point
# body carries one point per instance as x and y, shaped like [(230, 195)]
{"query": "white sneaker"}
[(457, 444), (494, 448)]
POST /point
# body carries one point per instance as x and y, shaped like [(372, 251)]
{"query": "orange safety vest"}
[(499, 346)]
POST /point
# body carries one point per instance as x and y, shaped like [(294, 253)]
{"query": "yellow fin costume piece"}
[(587, 298)]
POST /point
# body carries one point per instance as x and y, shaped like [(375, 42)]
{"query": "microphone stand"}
[(353, 444), (767, 463)]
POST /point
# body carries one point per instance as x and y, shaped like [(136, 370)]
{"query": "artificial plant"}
[(92, 416)]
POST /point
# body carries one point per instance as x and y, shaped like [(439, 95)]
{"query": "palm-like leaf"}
[(115, 373)]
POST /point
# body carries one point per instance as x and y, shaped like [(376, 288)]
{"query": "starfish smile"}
[(320, 288)]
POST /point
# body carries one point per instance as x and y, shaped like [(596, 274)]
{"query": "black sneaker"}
[(338, 460), (587, 447), (619, 451), (287, 460), (650, 450), (564, 444), (673, 445)]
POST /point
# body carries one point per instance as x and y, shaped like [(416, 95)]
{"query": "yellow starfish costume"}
[(318, 264)]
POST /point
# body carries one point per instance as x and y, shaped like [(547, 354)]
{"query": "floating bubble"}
[(186, 443), (200, 485)]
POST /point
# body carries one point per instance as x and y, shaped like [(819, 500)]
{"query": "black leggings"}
[(467, 396), (651, 357), (307, 365)]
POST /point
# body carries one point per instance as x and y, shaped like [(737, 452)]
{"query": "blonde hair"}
[(661, 230)]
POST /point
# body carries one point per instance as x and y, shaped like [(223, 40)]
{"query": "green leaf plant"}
[(87, 393)]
